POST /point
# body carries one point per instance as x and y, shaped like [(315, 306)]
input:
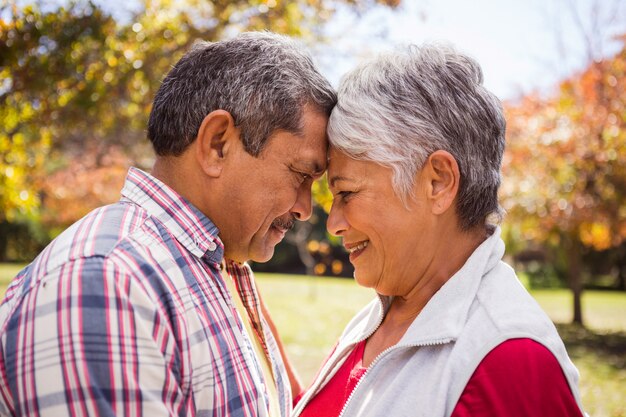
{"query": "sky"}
[(523, 46)]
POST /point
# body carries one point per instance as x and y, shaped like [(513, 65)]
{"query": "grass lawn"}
[(311, 312), (7, 272)]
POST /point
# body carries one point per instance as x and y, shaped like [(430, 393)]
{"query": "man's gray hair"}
[(401, 107), (263, 80)]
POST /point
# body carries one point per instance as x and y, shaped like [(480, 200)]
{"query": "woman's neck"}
[(451, 256)]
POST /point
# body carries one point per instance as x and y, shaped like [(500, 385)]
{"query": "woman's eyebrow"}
[(337, 178)]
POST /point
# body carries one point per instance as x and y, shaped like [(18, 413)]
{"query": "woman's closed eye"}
[(344, 195)]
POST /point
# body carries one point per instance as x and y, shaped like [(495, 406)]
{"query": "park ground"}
[(311, 312)]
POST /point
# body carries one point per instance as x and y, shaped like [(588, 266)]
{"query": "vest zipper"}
[(309, 394), (379, 357)]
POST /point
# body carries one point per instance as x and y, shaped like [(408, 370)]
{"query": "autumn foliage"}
[(565, 164)]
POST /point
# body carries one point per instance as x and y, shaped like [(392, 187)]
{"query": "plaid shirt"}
[(126, 314)]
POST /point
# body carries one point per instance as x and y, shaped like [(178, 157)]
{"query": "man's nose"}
[(303, 208)]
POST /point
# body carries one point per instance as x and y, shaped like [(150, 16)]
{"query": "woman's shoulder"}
[(518, 377)]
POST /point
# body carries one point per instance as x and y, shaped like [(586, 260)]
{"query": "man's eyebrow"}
[(319, 169), (313, 168), (337, 178)]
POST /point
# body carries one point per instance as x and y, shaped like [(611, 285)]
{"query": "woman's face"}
[(389, 243)]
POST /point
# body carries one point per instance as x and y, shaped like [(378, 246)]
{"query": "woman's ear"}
[(214, 141), (443, 176)]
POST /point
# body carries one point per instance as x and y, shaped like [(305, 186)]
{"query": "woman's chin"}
[(362, 279)]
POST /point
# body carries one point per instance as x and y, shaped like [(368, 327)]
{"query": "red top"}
[(330, 400), (531, 384)]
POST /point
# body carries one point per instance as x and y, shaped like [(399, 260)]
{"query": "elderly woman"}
[(414, 167)]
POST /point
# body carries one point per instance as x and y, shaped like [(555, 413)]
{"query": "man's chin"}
[(262, 255), (263, 250)]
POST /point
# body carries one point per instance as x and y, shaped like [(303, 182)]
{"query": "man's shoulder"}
[(85, 246), (96, 235)]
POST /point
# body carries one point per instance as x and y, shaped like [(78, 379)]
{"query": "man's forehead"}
[(313, 156), (316, 139), (313, 164)]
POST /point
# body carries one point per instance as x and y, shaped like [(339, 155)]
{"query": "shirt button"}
[(212, 246)]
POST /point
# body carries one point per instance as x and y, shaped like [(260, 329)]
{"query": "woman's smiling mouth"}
[(356, 249)]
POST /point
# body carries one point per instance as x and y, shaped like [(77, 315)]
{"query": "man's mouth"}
[(283, 225)]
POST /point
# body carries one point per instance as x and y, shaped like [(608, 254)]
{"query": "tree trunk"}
[(4, 240), (574, 277), (621, 279), (620, 263), (299, 237)]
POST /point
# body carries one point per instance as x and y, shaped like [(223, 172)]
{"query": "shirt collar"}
[(188, 225)]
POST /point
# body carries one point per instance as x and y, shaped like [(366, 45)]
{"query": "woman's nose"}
[(336, 223)]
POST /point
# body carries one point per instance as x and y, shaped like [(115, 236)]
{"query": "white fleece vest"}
[(481, 306)]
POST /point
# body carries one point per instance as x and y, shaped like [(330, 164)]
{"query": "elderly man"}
[(146, 307)]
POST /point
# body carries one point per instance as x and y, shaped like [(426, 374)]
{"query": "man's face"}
[(269, 192)]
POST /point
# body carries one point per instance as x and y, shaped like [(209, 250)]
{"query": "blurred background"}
[(77, 80)]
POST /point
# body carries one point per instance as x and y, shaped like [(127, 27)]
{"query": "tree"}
[(565, 166), (47, 89), (77, 85)]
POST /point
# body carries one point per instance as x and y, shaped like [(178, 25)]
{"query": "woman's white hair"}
[(402, 106)]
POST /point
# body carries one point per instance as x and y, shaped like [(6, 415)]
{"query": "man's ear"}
[(443, 176), (214, 141)]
